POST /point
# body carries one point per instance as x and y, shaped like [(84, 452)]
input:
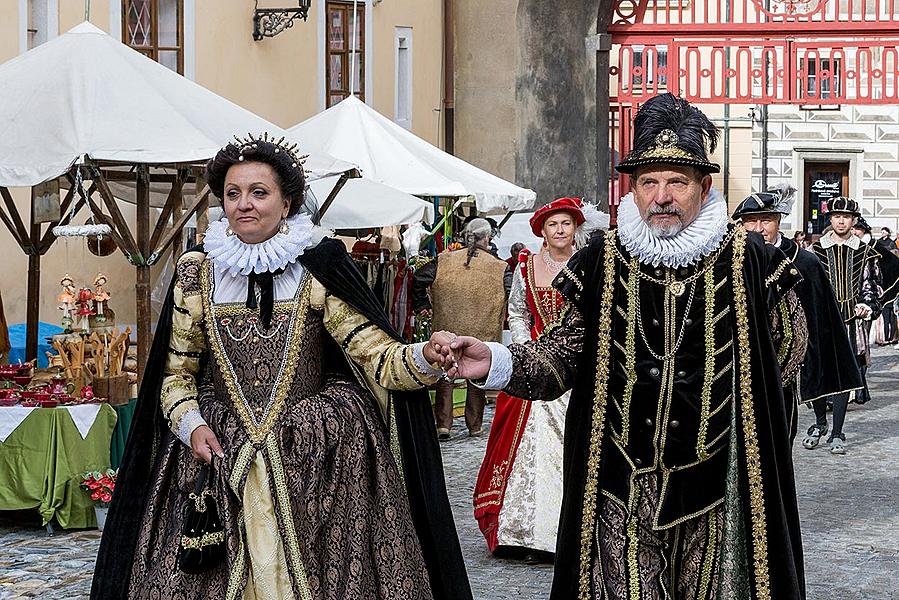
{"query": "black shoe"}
[(539, 557)]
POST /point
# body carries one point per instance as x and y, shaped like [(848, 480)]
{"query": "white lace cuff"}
[(190, 420), (418, 356), (500, 368)]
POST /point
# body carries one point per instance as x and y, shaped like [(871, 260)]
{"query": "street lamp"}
[(269, 22)]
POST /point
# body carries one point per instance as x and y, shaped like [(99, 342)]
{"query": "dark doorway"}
[(824, 181)]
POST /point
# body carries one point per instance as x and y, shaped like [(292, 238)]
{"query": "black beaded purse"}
[(202, 544)]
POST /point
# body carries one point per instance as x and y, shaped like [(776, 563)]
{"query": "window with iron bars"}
[(656, 66), (828, 72)]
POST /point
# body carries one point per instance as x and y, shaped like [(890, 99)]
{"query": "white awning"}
[(389, 154), (85, 94)]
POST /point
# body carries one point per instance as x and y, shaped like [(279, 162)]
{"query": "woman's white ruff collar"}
[(700, 238), (236, 257)]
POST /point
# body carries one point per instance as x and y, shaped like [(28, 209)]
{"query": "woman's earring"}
[(229, 231), (284, 227)]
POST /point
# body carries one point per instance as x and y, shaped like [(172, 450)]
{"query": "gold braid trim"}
[(711, 554), (293, 544), (786, 324), (338, 318), (709, 377), (173, 386), (588, 517), (284, 381), (633, 543), (240, 465), (777, 273), (239, 568), (207, 539), (753, 459), (630, 354)]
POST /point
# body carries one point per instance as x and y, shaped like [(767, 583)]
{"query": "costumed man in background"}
[(853, 269), (464, 290), (678, 472), (829, 367)]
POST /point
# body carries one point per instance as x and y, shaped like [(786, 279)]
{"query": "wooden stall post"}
[(203, 208), (142, 284), (33, 309)]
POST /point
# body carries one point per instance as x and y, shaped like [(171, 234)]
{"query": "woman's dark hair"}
[(287, 166)]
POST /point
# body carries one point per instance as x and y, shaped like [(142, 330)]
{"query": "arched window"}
[(156, 28)]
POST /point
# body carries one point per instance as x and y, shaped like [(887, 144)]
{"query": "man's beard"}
[(669, 230)]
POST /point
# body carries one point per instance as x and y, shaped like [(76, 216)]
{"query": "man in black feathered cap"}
[(829, 368), (855, 274), (678, 476)]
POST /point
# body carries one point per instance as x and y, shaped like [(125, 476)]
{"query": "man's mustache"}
[(666, 210)]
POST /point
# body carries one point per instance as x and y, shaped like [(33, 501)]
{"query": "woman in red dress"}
[(518, 494)]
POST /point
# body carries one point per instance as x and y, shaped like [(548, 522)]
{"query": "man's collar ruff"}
[(829, 240), (236, 257), (699, 239)]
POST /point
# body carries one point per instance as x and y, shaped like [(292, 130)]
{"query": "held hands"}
[(460, 356), (204, 443)]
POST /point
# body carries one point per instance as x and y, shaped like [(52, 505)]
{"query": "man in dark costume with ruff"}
[(854, 270), (829, 366), (678, 474)]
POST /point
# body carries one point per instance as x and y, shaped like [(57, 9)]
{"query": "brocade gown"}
[(518, 494), (309, 491)]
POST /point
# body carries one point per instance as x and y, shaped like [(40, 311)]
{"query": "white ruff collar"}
[(698, 239), (236, 257), (829, 239)]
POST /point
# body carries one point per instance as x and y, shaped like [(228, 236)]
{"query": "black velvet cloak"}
[(889, 273), (829, 367), (763, 497), (422, 465)]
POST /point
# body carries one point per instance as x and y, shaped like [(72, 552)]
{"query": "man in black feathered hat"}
[(853, 269), (678, 474), (829, 367)]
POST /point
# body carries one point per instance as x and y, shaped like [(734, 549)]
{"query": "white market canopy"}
[(363, 203), (87, 94), (389, 154)]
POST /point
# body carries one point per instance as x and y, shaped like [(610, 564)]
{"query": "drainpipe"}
[(449, 75), (727, 117), (764, 115)]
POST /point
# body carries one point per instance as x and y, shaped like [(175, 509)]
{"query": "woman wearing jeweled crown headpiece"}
[(274, 362)]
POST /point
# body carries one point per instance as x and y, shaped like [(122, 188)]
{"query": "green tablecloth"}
[(125, 414), (42, 461)]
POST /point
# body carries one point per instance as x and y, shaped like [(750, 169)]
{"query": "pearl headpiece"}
[(252, 142)]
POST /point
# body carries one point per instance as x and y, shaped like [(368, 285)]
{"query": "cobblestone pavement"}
[(849, 507)]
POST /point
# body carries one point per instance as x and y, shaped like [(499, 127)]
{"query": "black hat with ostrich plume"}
[(670, 130)]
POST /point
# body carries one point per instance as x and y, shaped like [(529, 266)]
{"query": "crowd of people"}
[(642, 437)]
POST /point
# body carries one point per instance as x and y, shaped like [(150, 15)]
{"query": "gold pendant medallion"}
[(677, 288)]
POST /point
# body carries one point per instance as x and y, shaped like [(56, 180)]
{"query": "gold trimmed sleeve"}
[(388, 363), (187, 345)]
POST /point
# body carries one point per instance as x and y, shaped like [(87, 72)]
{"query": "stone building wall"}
[(867, 137)]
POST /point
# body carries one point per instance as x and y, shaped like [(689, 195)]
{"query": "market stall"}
[(87, 114), (391, 155), (43, 454)]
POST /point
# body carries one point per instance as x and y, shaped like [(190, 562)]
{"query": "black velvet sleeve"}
[(545, 368)]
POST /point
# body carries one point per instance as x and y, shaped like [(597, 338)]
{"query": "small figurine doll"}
[(85, 310), (101, 297), (67, 301)]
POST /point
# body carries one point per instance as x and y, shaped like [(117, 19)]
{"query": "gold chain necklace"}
[(677, 287), (680, 338)]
